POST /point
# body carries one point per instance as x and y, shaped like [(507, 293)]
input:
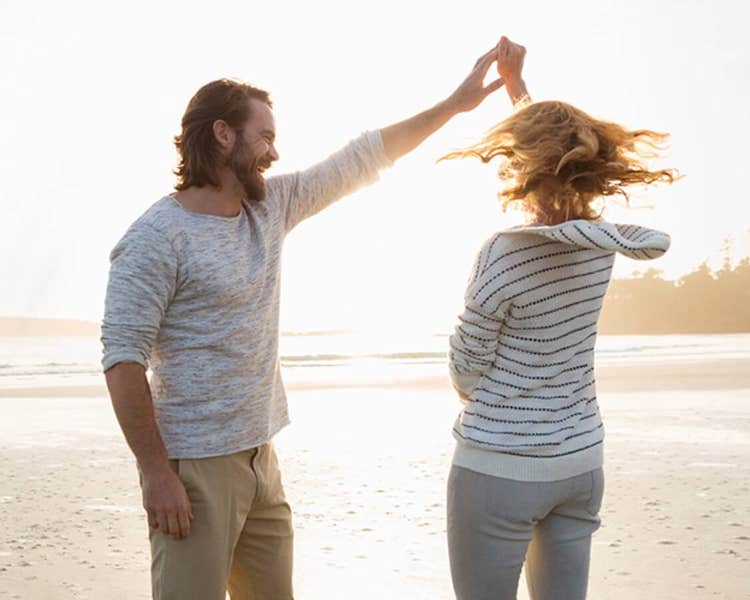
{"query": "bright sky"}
[(92, 93)]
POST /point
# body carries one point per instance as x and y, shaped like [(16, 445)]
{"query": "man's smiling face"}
[(254, 151)]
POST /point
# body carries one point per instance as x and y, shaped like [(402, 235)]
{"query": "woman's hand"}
[(509, 59), (463, 396)]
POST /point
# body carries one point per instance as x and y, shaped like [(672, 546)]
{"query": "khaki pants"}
[(240, 538)]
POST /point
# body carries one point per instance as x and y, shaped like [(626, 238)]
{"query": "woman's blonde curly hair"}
[(559, 160)]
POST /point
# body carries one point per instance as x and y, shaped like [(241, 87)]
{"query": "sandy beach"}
[(365, 468)]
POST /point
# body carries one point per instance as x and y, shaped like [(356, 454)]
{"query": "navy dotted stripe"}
[(616, 241), (583, 314), (557, 397), (567, 383), (525, 421), (527, 389), (555, 281), (539, 378), (475, 355), (558, 455), (584, 386), (528, 396), (532, 408), (488, 317), (563, 293), (623, 230), (554, 310), (580, 231), (489, 250), (644, 234), (471, 356), (552, 339), (566, 236), (537, 444), (505, 383), (477, 349), (557, 364), (526, 262), (491, 392), (476, 272), (550, 353), (547, 283), (654, 234), (575, 435), (555, 386), (518, 433), (499, 258), (475, 337), (477, 325)]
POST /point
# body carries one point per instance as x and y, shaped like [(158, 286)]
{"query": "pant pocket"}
[(267, 471), (594, 504)]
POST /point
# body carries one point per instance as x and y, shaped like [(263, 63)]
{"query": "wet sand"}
[(365, 468)]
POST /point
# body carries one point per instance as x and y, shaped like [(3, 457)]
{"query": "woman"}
[(527, 481)]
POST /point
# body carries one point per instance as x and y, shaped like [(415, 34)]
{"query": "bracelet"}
[(522, 102)]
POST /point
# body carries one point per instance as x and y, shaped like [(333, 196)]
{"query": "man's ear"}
[(223, 134)]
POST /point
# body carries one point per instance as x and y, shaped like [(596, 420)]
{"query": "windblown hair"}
[(224, 99), (559, 160)]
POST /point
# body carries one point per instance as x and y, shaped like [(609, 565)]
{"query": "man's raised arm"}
[(305, 193), (403, 137)]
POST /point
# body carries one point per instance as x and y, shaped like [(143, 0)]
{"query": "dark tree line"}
[(700, 302)]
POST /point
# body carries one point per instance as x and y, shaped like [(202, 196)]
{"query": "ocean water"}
[(342, 357)]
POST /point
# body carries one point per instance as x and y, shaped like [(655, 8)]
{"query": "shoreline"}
[(713, 374)]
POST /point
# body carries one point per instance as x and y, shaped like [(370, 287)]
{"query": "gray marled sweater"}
[(196, 298)]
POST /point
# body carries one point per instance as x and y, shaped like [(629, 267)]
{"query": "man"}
[(193, 294)]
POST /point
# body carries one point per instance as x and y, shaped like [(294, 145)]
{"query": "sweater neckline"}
[(232, 219)]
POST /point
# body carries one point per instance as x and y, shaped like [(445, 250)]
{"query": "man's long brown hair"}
[(224, 99)]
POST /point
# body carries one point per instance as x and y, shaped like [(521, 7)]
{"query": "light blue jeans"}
[(494, 524)]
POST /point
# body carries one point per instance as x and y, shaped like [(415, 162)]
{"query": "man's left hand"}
[(472, 91)]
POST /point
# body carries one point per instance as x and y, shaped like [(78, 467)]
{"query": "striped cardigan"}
[(523, 349)]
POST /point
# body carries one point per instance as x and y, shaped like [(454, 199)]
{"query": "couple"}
[(193, 294)]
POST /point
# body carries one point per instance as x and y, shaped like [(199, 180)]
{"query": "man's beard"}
[(245, 169)]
